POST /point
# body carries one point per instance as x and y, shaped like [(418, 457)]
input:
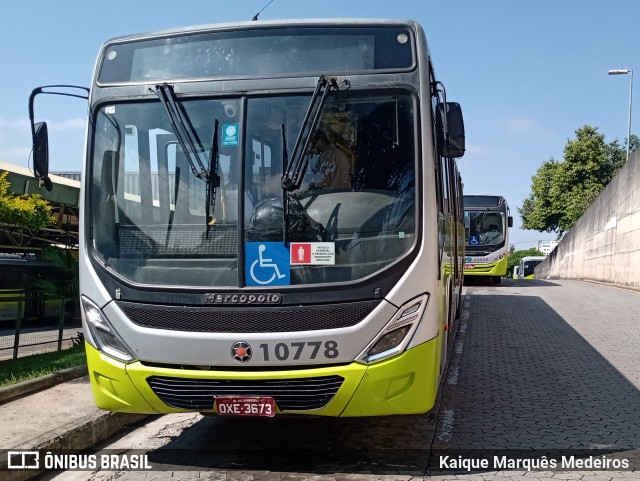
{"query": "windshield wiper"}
[(484, 216), (296, 168), (191, 145), (214, 178), (184, 130)]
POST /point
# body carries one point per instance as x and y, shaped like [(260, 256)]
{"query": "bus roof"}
[(268, 24), (533, 258)]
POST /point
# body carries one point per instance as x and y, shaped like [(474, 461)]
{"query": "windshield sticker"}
[(267, 264), (230, 135), (111, 109), (474, 240), (313, 253)]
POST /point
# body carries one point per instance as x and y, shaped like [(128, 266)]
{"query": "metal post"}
[(629, 123), (61, 325), (626, 71), (19, 314)]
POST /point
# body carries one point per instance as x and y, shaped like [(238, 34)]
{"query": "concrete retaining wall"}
[(604, 245)]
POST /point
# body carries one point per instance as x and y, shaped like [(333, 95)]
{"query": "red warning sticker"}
[(313, 253)]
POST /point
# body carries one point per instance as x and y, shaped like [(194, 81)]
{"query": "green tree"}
[(514, 258), (66, 285), (635, 143), (22, 214), (562, 190)]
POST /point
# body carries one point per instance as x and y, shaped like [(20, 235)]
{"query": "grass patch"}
[(14, 371)]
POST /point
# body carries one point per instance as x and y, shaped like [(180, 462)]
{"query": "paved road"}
[(546, 367), (555, 362)]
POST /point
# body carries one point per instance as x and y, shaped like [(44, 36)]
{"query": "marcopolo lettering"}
[(231, 298)]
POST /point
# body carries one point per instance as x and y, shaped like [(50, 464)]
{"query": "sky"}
[(527, 73)]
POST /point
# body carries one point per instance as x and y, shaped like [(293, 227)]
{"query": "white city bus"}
[(486, 220), (272, 219), (526, 269)]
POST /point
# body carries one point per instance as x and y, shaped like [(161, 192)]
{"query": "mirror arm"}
[(44, 179), (41, 90)]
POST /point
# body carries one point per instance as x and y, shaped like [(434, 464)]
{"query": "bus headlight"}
[(102, 335), (395, 336)]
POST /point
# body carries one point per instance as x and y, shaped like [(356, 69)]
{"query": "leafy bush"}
[(28, 212)]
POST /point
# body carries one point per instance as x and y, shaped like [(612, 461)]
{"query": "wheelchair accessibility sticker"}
[(267, 264)]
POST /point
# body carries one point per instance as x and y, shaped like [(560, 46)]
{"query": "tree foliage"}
[(562, 190), (29, 212), (66, 284), (515, 258)]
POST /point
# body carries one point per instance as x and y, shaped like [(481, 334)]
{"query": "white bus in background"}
[(528, 265), (486, 221), (516, 271)]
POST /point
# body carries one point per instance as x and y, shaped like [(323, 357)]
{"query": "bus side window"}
[(446, 194), (131, 188), (439, 181), (163, 172), (107, 204), (261, 170)]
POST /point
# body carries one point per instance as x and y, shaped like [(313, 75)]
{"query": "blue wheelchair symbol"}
[(474, 240), (267, 264)]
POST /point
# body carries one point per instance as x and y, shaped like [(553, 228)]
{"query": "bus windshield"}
[(356, 199), (484, 227), (529, 267)]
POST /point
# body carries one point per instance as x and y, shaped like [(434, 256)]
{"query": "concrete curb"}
[(78, 435), (9, 393), (73, 434)]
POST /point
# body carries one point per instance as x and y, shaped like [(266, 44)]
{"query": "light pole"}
[(625, 71)]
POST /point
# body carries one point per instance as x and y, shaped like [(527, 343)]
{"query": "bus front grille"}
[(256, 319), (290, 394)]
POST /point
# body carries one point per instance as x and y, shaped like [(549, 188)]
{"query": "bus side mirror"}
[(39, 135), (41, 154), (510, 221), (450, 130)]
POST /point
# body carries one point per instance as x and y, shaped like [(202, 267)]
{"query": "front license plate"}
[(245, 406)]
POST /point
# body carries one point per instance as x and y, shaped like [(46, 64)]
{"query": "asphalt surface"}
[(538, 368)]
